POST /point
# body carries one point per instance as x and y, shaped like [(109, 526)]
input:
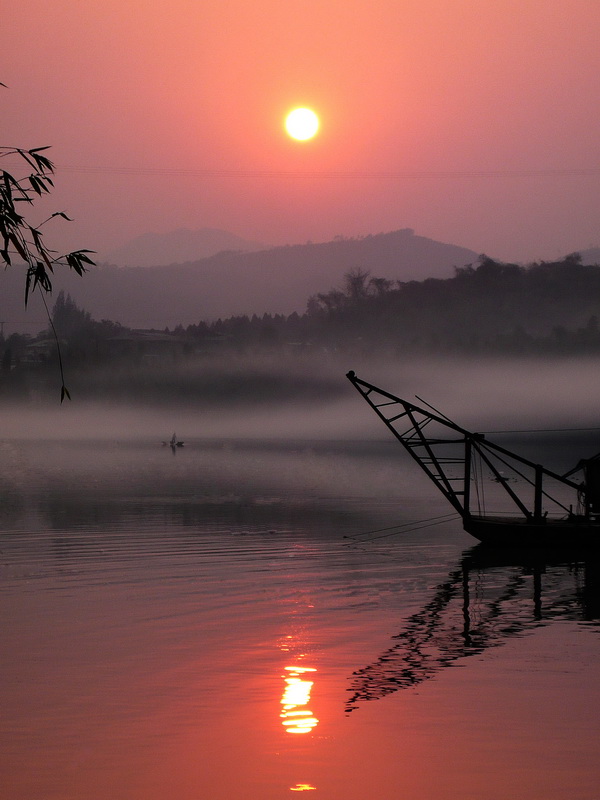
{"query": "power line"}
[(335, 174), (543, 430)]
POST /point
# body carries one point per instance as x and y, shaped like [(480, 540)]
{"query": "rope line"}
[(475, 468), (400, 525), (415, 528), (401, 528)]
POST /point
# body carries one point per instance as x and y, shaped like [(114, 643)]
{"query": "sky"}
[(474, 122)]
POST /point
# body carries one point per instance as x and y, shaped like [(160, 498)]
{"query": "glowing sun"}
[(302, 124)]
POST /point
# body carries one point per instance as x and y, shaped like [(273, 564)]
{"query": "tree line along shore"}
[(486, 309)]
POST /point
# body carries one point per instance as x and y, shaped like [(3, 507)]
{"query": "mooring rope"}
[(405, 527), (475, 467)]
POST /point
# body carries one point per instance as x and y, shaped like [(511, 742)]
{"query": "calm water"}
[(201, 625)]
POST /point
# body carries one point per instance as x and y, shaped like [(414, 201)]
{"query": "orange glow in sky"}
[(472, 123)]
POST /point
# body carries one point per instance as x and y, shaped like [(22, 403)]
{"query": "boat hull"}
[(549, 533)]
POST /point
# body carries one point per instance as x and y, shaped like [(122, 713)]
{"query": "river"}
[(262, 617)]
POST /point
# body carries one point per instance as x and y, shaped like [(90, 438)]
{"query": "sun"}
[(302, 124)]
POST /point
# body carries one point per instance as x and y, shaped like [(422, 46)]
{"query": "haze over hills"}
[(176, 247), (278, 280), (590, 256)]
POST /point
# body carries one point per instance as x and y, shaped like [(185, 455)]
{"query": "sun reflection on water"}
[(302, 787), (295, 715)]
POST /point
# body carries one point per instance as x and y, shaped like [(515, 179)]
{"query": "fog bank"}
[(312, 399)]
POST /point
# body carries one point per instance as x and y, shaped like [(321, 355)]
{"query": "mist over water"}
[(198, 622), (310, 398)]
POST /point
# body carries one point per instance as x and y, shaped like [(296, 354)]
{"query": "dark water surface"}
[(199, 625)]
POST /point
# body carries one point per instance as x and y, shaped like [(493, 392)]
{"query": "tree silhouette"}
[(22, 241)]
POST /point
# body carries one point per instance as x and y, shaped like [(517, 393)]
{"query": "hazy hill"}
[(492, 307), (156, 249), (591, 256), (279, 280)]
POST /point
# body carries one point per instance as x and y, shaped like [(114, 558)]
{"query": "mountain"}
[(156, 249), (278, 280)]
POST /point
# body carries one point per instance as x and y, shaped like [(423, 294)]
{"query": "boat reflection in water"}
[(493, 595), (296, 717)]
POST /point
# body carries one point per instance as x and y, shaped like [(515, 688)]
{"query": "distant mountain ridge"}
[(176, 247), (278, 280)]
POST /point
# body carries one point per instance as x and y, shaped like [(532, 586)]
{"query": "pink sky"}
[(164, 115)]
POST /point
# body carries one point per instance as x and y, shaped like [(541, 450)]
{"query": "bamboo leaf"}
[(27, 286), (25, 155), (43, 164), (18, 246), (36, 184)]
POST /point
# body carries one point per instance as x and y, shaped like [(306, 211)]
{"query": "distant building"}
[(39, 351), (148, 346)]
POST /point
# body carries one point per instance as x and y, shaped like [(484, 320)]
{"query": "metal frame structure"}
[(452, 456)]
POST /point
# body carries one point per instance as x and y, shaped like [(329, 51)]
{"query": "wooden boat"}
[(527, 505)]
